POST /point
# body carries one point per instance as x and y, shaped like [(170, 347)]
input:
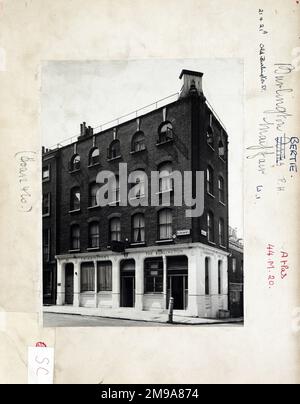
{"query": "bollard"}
[(171, 307)]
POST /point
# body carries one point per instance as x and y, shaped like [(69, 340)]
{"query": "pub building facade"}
[(138, 257)]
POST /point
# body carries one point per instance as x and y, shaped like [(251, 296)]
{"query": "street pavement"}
[(68, 320)]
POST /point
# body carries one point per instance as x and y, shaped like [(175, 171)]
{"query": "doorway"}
[(69, 284), (178, 282), (127, 274), (177, 287)]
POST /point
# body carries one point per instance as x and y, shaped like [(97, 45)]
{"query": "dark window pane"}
[(138, 142), (153, 275), (166, 132), (94, 157)]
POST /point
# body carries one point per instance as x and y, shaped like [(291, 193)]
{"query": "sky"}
[(99, 91)]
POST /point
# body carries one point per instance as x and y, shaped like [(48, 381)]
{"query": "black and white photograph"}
[(142, 179), (149, 195)]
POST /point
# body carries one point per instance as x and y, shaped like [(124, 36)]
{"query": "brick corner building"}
[(162, 252)]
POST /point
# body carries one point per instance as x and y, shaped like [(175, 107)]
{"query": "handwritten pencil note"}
[(40, 365), (26, 171)]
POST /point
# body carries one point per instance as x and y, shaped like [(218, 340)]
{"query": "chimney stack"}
[(90, 131), (83, 129), (192, 83)]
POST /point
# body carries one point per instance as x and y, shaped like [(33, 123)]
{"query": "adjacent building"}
[(139, 256), (50, 211), (236, 274)]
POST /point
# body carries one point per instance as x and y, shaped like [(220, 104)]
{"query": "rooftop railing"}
[(131, 115), (122, 119)]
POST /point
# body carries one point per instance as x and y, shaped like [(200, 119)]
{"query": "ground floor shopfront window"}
[(104, 276), (153, 274), (87, 277)]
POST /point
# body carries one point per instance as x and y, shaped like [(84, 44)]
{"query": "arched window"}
[(94, 235), (165, 179), (75, 163), (210, 227), (207, 276), (222, 232), (93, 189), (221, 185), (210, 137), (221, 149), (138, 142), (165, 224), (210, 180), (75, 237), (165, 132), (75, 199), (94, 156), (115, 229), (114, 150), (138, 228)]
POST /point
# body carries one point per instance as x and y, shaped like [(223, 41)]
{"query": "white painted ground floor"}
[(195, 275)]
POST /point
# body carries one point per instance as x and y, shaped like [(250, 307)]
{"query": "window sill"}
[(211, 242), (138, 151), (211, 195), (137, 244), (74, 171), (94, 165), (224, 161), (138, 198), (164, 241), (88, 293), (166, 142), (94, 207), (115, 203), (167, 191), (46, 180), (222, 203), (114, 158), (211, 147), (93, 249), (74, 211), (104, 292), (154, 293), (46, 215), (74, 251), (223, 246)]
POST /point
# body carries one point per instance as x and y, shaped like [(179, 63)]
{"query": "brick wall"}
[(178, 153), (203, 156), (190, 118)]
